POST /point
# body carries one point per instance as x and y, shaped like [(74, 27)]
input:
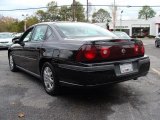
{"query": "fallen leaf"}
[(13, 103), (20, 115)]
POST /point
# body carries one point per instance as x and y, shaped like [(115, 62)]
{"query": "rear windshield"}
[(122, 35), (74, 30)]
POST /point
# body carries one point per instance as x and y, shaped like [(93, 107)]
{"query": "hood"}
[(6, 40)]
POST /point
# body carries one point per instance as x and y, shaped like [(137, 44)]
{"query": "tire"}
[(50, 81), (156, 44), (12, 64)]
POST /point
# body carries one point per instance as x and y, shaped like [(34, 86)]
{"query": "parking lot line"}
[(156, 71)]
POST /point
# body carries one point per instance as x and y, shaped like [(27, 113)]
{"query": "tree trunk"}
[(146, 17)]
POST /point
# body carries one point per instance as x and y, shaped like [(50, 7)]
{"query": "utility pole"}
[(73, 10), (114, 16), (25, 24), (121, 20), (87, 10)]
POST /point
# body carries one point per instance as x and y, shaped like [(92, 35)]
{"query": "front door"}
[(18, 52)]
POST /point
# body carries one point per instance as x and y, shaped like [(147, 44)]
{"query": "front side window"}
[(27, 35), (39, 33), (26, 39)]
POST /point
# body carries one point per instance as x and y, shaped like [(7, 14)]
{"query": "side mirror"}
[(16, 40)]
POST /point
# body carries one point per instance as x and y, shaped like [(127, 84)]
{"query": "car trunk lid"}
[(110, 49)]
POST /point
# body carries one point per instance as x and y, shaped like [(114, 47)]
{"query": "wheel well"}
[(42, 61), (9, 52)]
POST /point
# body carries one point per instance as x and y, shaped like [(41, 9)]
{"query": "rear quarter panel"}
[(61, 51)]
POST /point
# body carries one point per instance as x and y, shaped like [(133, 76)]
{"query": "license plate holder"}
[(126, 68)]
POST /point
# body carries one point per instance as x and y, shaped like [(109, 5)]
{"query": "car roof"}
[(51, 23)]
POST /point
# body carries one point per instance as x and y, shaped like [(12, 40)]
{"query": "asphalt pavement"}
[(23, 97)]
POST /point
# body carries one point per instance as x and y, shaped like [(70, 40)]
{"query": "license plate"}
[(126, 68)]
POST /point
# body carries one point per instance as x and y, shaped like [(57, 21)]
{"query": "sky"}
[(128, 13)]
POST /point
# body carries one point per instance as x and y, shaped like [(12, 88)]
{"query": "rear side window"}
[(39, 33)]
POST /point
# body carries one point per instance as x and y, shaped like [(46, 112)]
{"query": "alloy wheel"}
[(48, 78), (11, 62)]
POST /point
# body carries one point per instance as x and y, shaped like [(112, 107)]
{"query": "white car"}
[(18, 34), (5, 39)]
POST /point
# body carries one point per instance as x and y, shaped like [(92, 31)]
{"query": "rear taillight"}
[(105, 52), (89, 53), (139, 49), (136, 49), (142, 49)]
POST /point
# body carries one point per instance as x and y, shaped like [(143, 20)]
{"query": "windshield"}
[(5, 35), (74, 30), (122, 35)]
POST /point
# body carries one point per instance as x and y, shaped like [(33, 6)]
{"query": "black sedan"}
[(77, 54)]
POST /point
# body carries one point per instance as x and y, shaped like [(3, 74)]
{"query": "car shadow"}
[(115, 93), (96, 103), (31, 78), (3, 49), (91, 103), (119, 92)]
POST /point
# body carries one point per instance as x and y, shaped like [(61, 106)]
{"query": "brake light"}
[(90, 52), (142, 49), (139, 49), (86, 53), (105, 52), (136, 49)]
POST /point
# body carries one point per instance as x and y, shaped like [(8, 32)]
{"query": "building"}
[(139, 27)]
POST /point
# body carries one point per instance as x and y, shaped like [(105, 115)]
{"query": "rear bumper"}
[(102, 73)]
